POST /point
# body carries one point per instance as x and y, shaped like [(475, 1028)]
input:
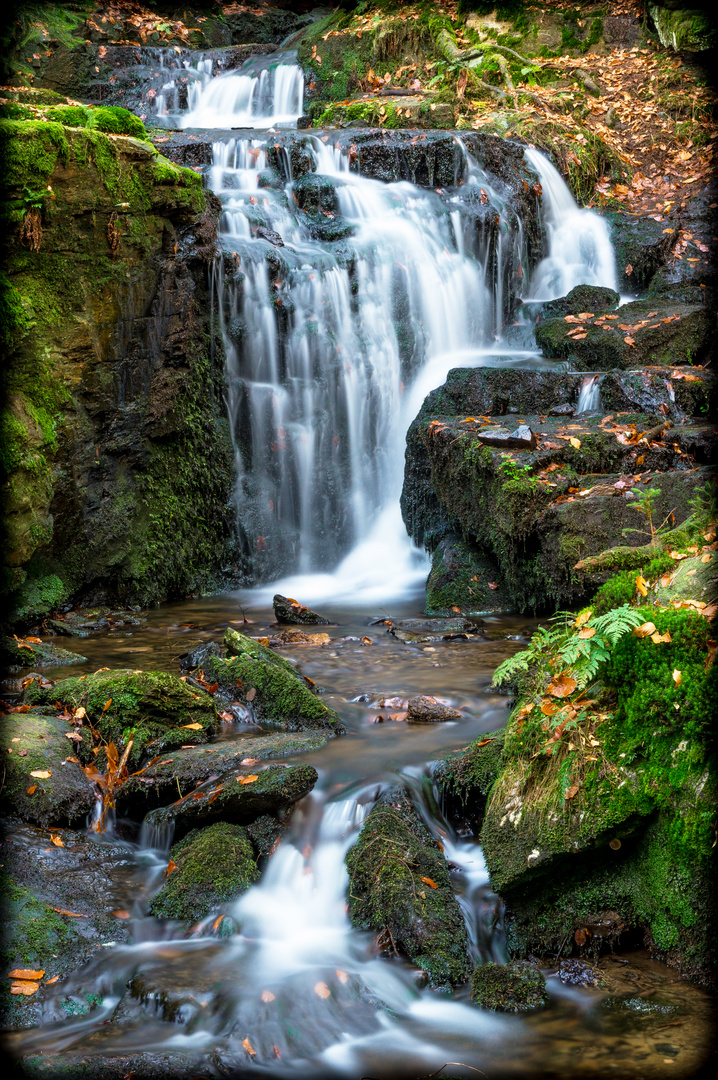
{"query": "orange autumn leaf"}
[(247, 779), (56, 840), (193, 727), (644, 630), (642, 585), (217, 921), (268, 996), (660, 639), (25, 973), (171, 865), (24, 987), (322, 990), (548, 707), (120, 913), (248, 1047), (107, 704), (571, 792), (32, 790), (342, 976), (52, 980), (562, 686), (70, 914), (430, 883), (41, 774), (587, 632)]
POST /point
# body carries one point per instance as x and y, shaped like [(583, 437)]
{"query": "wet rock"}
[(658, 330), (676, 393), (517, 987), (36, 654), (154, 708), (184, 770), (522, 438), (465, 779), (642, 247), (287, 610), (427, 710), (269, 684), (691, 579), (213, 866), (196, 657), (462, 577), (400, 887), (296, 637), (276, 788), (582, 298), (32, 743), (420, 631), (493, 391), (432, 160), (263, 232), (562, 410), (264, 834), (577, 973)]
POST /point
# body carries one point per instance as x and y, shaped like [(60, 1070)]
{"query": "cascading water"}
[(589, 395)]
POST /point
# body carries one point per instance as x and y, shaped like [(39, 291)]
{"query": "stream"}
[(403, 289)]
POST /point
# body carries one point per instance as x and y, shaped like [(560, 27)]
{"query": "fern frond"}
[(617, 622)]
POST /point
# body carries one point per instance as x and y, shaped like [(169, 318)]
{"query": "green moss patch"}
[(517, 987), (213, 866)]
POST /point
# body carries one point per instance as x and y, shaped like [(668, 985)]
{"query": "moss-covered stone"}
[(517, 987), (275, 789), (153, 708), (36, 654), (465, 779), (459, 578), (269, 683), (213, 866), (399, 885), (33, 743), (183, 770)]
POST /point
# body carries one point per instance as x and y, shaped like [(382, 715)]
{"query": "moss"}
[(621, 588), (459, 578), (469, 776), (389, 892), (517, 987), (117, 121), (30, 150), (38, 597), (214, 866), (73, 116), (151, 707)]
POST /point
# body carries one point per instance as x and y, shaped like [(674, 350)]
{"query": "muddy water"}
[(201, 991)]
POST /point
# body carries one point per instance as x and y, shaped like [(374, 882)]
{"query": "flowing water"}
[(336, 324)]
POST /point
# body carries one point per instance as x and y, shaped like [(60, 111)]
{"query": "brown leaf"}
[(192, 727), (587, 632), (322, 990), (548, 707), (562, 686), (248, 1047), (571, 792), (25, 973), (430, 883), (677, 677), (642, 585), (248, 779), (581, 937), (107, 704), (614, 844), (582, 618), (120, 913), (644, 630), (629, 269), (54, 979), (268, 996), (56, 840), (70, 914), (492, 585), (25, 988), (32, 790), (171, 865), (251, 694), (217, 921), (41, 774)]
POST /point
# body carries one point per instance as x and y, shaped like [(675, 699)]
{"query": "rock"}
[(427, 710), (196, 657), (270, 685), (676, 393), (493, 391), (577, 973), (263, 232), (213, 866), (462, 577), (562, 410), (680, 27), (595, 298), (642, 244), (522, 438), (264, 834), (465, 780), (289, 611), (276, 788), (422, 631), (400, 887), (295, 637), (517, 987), (36, 654), (184, 770), (32, 743), (155, 707), (658, 330)]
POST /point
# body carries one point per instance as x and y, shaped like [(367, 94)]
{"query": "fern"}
[(617, 622)]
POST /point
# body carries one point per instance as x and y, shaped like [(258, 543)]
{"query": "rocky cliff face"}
[(116, 454)]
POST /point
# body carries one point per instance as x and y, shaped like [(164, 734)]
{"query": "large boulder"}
[(211, 867), (512, 988), (158, 711), (238, 798), (290, 611), (400, 887), (59, 793), (463, 579), (19, 652)]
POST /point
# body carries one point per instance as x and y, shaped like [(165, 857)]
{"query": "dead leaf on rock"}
[(192, 727), (41, 774), (25, 973), (247, 779), (562, 686), (248, 1047), (430, 883), (268, 996), (571, 792), (24, 987), (322, 990)]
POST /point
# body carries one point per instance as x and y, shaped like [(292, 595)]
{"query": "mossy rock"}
[(459, 578), (214, 866), (154, 708), (115, 120), (277, 693), (399, 885), (690, 579), (66, 795), (513, 988), (43, 654), (465, 780), (37, 598), (275, 789), (596, 298), (183, 770)]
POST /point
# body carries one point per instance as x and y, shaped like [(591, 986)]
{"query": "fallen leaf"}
[(677, 677), (614, 844), (70, 914), (365, 641), (575, 443), (217, 921), (430, 883), (171, 865), (644, 629), (562, 686), (268, 996), (56, 840), (248, 779), (342, 976), (492, 585), (548, 707), (24, 988), (587, 632), (277, 1053), (120, 913), (54, 979), (322, 990), (32, 790), (107, 704), (251, 694), (580, 937), (659, 639), (41, 774), (248, 1047), (571, 792), (25, 973), (707, 557), (642, 585), (192, 727), (582, 618)]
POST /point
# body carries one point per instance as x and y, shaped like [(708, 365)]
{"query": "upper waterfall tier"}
[(338, 290)]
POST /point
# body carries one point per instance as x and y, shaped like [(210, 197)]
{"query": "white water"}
[(589, 396)]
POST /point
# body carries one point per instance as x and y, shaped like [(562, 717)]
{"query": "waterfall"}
[(580, 249), (589, 396), (339, 298)]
